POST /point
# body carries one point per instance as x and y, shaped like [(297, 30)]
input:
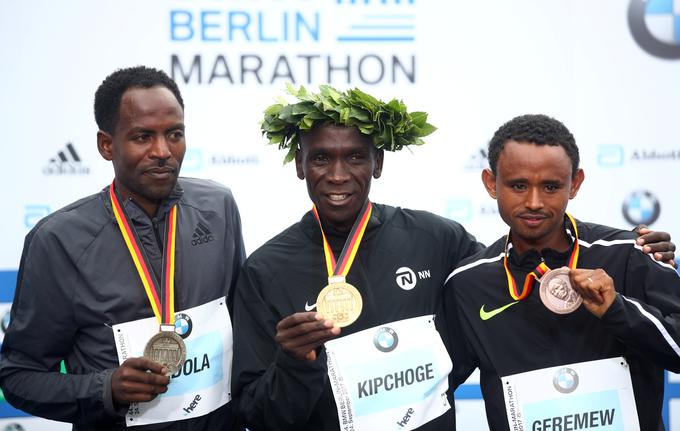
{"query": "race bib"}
[(392, 376), (587, 395), (203, 383)]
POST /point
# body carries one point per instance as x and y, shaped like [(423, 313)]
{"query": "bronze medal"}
[(556, 292), (340, 302), (168, 349)]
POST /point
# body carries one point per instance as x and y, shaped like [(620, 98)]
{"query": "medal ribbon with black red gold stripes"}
[(349, 251), (161, 297), (541, 269)]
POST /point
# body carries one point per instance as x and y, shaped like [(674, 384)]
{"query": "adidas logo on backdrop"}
[(202, 235), (67, 162)]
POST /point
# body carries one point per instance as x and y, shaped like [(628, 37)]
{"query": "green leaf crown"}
[(390, 126)]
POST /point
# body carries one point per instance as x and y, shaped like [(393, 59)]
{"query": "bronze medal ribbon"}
[(161, 296), (349, 251), (540, 270)]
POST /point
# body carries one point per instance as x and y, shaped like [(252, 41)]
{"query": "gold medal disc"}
[(168, 349), (556, 292), (340, 302)]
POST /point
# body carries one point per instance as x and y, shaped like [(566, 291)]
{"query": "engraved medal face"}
[(556, 292), (168, 349), (340, 302)]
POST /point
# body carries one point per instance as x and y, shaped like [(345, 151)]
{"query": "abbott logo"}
[(610, 155), (34, 213), (459, 210), (406, 278), (193, 160)]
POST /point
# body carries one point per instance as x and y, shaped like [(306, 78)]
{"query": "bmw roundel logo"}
[(183, 325), (655, 26), (641, 207), (565, 380), (385, 339)]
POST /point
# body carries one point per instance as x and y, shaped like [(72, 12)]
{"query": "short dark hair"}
[(109, 94), (536, 129)]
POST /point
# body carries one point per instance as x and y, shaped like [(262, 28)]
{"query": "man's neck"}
[(150, 207)]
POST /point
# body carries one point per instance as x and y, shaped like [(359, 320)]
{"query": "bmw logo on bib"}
[(385, 339), (183, 325), (565, 380)]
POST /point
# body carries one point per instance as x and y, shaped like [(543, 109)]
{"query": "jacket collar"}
[(553, 258), (136, 213), (310, 227)]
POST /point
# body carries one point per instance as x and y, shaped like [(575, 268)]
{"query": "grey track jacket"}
[(77, 279)]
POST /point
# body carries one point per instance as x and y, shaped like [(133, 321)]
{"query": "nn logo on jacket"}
[(66, 162), (202, 235)]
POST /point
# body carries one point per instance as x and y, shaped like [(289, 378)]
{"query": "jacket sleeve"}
[(646, 315), (42, 333), (272, 390), (453, 329), (233, 220)]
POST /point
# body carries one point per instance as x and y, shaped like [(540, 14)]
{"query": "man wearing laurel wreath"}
[(128, 287), (569, 322), (325, 337)]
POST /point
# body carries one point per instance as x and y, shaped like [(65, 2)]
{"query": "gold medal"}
[(340, 302), (556, 292), (168, 349)]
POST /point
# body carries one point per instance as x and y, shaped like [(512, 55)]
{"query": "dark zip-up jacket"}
[(274, 391), (77, 279), (642, 325)]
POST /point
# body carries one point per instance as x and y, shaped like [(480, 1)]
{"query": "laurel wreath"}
[(390, 126)]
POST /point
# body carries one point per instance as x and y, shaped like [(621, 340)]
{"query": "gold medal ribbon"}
[(541, 269), (164, 305), (349, 251)]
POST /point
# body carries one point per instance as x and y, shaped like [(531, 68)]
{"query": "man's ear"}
[(377, 170), (299, 160), (489, 180), (576, 182), (104, 145)]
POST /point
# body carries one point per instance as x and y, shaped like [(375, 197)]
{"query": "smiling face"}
[(147, 146), (533, 185), (338, 163)]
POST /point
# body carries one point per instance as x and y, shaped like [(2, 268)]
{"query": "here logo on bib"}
[(399, 381)]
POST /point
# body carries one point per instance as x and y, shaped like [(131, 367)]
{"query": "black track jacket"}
[(642, 325), (274, 391)]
